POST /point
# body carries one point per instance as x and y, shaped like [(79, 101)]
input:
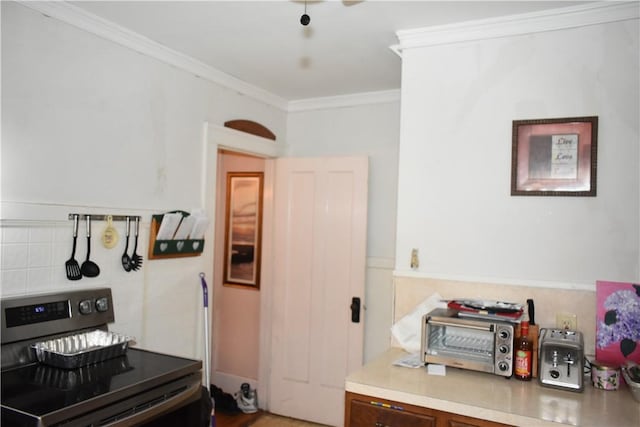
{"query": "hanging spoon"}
[(126, 260), (136, 259), (89, 268)]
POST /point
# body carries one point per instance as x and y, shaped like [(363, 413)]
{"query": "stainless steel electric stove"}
[(136, 388)]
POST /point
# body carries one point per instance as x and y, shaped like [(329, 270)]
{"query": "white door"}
[(320, 226)]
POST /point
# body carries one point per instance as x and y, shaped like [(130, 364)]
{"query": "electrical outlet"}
[(567, 321)]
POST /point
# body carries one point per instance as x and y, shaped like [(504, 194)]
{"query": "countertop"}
[(494, 398)]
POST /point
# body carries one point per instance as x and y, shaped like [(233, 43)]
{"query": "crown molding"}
[(515, 25), (111, 31), (108, 30), (328, 102)]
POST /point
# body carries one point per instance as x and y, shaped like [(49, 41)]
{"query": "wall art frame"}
[(243, 229), (554, 157)]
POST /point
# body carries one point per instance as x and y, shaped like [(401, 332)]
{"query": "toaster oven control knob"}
[(504, 349), (554, 373), (85, 307), (102, 304), (503, 366), (504, 334)]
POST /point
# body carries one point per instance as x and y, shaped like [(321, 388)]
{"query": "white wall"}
[(454, 203), (370, 130), (91, 126)]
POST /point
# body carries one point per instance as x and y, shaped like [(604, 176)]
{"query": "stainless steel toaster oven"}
[(477, 344)]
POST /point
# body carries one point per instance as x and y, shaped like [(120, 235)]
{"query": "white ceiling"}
[(344, 50)]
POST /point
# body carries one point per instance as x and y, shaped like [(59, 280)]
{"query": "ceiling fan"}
[(306, 19)]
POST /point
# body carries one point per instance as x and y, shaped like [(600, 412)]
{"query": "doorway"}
[(334, 173), (236, 308)]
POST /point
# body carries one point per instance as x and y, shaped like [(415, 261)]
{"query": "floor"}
[(236, 420), (245, 420)]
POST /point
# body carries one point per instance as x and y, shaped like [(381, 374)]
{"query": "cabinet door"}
[(452, 423), (453, 420), (368, 415)]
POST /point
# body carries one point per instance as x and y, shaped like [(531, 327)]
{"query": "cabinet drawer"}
[(367, 415)]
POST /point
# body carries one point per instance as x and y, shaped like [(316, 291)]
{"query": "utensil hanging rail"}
[(100, 217)]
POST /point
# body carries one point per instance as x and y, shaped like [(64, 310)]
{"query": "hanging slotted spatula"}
[(72, 266), (89, 268), (136, 260), (126, 260)]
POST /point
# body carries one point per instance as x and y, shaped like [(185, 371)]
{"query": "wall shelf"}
[(162, 249)]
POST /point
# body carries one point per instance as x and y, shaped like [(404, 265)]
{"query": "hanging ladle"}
[(126, 260), (89, 268)]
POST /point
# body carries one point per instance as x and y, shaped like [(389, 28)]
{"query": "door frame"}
[(215, 138)]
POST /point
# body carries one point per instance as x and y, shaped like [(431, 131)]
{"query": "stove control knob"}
[(503, 366), (504, 349), (504, 334), (102, 304), (85, 307)]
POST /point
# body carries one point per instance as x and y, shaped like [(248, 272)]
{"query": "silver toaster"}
[(561, 363)]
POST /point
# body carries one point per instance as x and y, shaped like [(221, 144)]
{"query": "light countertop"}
[(494, 398)]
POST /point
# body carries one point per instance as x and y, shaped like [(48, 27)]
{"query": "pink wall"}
[(236, 313)]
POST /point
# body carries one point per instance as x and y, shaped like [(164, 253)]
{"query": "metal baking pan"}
[(82, 349)]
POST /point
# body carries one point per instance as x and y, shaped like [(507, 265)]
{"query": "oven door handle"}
[(167, 406), (462, 324)]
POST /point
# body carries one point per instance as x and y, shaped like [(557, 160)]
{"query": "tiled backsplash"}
[(409, 292), (33, 255)]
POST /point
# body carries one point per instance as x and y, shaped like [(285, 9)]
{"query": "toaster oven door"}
[(474, 345)]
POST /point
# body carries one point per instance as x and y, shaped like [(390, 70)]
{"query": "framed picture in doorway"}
[(554, 157), (243, 229)]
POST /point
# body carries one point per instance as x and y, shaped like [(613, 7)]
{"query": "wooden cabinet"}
[(367, 411), (374, 414)]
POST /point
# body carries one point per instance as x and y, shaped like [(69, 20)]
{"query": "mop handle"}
[(205, 291), (207, 361)]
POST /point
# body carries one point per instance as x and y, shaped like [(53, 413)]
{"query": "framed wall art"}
[(617, 322), (554, 157), (243, 229)]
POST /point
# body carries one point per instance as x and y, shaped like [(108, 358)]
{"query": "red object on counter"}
[(524, 354)]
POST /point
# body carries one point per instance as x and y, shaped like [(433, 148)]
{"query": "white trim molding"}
[(329, 102), (235, 140), (514, 25), (80, 18), (380, 263), (497, 280)]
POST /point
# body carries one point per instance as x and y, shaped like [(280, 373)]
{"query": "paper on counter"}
[(409, 361), (435, 369), (169, 225), (408, 330)]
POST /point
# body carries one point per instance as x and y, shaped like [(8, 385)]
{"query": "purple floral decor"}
[(617, 322)]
